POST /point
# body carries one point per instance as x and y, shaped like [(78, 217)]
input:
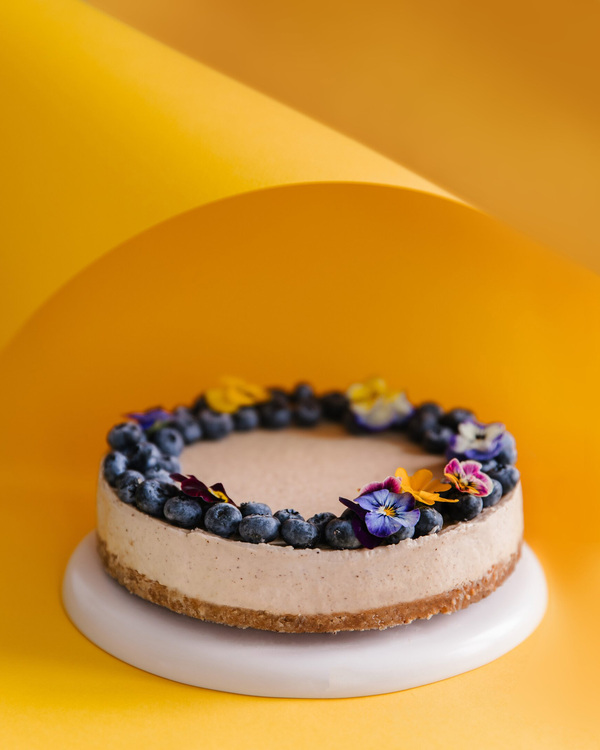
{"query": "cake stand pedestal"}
[(281, 665)]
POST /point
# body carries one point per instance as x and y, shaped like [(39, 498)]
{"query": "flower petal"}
[(393, 484), (420, 479), (381, 525), (471, 467), (371, 501)]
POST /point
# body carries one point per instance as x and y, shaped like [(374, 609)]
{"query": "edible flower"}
[(233, 393), (151, 418), (467, 477), (423, 487), (477, 440), (376, 406), (193, 487)]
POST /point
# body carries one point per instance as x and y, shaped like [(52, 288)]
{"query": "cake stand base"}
[(281, 665)]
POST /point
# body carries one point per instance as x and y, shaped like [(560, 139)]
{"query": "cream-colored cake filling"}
[(281, 579)]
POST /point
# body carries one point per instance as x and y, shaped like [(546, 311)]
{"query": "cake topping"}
[(423, 487), (376, 406), (193, 487), (150, 418), (233, 393), (477, 440), (467, 476)]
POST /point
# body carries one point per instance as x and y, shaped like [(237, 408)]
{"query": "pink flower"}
[(467, 477)]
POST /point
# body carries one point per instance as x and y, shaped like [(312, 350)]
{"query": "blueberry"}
[(274, 415), (298, 533), (246, 419), (508, 476), (419, 423), (222, 519), (127, 484), (151, 496), (144, 456), (113, 466), (430, 407), (307, 413), (279, 395), (125, 436), (488, 465), (255, 509), (199, 405), (348, 513), (339, 534), (283, 515), (183, 511), (320, 521), (437, 439), (259, 529), (334, 405), (303, 392), (430, 522), (455, 416), (170, 464), (159, 474), (508, 454), (494, 495), (404, 532), (169, 441), (352, 425), (215, 425), (466, 508), (186, 424)]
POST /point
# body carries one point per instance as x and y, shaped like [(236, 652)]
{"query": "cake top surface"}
[(305, 470)]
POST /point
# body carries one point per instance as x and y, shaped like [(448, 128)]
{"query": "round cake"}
[(298, 513)]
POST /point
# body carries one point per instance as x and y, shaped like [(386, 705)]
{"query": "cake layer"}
[(280, 584)]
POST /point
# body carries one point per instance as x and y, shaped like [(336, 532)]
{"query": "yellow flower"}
[(423, 487), (376, 406), (233, 393)]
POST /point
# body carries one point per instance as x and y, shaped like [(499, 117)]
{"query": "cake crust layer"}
[(373, 619)]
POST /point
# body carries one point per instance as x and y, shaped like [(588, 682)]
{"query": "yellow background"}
[(325, 280)]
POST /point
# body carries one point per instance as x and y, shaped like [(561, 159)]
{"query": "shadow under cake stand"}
[(342, 665)]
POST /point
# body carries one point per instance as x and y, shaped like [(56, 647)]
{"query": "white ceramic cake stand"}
[(281, 665)]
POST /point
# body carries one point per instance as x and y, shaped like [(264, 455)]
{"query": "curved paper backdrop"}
[(110, 133)]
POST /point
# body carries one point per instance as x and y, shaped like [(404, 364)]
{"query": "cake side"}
[(236, 583)]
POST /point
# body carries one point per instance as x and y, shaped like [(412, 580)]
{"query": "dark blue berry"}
[(151, 496), (186, 424), (508, 476), (508, 454), (199, 405), (259, 529), (494, 495), (183, 511), (298, 533), (466, 508), (352, 425), (113, 466), (279, 395), (283, 515), (169, 441), (274, 415), (437, 439), (144, 456), (334, 405), (320, 521), (125, 436), (339, 534), (159, 474), (127, 484), (303, 392), (404, 532), (455, 416), (419, 423), (307, 413), (488, 465), (255, 509), (430, 407), (222, 519), (246, 419), (215, 425), (430, 522), (170, 464)]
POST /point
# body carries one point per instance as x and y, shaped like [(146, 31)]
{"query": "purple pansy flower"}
[(193, 487), (380, 510), (467, 477), (149, 418), (477, 441)]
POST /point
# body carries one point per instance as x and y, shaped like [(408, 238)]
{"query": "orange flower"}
[(423, 487)]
